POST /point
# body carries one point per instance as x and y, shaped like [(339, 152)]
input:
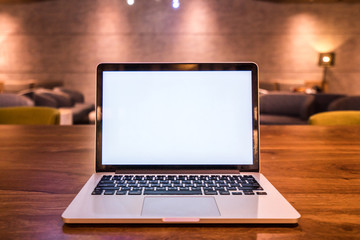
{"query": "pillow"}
[(76, 96), (62, 99), (288, 104), (14, 100), (39, 99)]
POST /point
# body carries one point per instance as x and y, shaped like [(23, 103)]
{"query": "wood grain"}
[(316, 168)]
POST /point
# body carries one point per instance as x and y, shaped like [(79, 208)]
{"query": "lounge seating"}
[(285, 108), (29, 115), (336, 118), (345, 103), (13, 100), (62, 98), (323, 100), (342, 111)]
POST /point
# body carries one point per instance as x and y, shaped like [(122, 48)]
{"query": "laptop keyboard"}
[(178, 185)]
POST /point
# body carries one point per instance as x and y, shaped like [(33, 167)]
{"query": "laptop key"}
[(110, 188), (106, 182), (261, 193), (210, 192), (106, 185), (249, 193), (121, 192), (224, 193), (236, 193), (246, 188), (134, 193), (109, 192), (96, 192)]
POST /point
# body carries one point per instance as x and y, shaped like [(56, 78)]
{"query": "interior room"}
[(306, 119), (60, 43)]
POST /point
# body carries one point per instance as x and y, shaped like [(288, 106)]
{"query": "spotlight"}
[(176, 3), (130, 2)]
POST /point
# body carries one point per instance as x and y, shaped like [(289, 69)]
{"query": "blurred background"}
[(62, 41)]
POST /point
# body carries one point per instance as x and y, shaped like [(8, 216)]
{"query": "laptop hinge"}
[(154, 171)]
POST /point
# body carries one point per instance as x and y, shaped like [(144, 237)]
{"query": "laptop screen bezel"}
[(177, 67)]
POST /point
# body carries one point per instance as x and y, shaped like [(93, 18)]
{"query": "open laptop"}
[(178, 143)]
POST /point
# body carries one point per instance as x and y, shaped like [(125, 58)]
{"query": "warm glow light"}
[(130, 2), (8, 25), (307, 27), (176, 3), (326, 59)]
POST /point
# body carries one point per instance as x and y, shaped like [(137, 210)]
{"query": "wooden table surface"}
[(317, 169)]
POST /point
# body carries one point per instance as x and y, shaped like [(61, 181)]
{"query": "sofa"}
[(62, 98), (286, 108), (346, 103), (14, 100)]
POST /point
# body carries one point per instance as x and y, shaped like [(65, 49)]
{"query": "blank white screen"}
[(177, 118)]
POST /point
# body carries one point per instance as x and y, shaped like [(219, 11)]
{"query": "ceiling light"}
[(176, 3)]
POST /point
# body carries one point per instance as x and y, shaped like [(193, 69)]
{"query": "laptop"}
[(178, 143)]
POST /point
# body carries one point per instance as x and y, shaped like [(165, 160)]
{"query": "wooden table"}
[(316, 168)]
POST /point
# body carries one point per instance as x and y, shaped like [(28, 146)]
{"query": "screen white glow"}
[(177, 118)]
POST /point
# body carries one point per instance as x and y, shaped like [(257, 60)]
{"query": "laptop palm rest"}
[(180, 207)]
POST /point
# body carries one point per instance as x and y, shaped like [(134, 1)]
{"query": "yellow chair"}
[(336, 118), (29, 115)]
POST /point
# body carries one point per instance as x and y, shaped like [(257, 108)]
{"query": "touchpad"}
[(180, 207)]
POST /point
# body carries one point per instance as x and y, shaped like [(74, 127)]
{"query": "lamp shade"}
[(326, 59)]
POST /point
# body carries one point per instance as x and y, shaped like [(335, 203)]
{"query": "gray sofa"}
[(14, 100), (345, 103), (60, 97), (285, 108)]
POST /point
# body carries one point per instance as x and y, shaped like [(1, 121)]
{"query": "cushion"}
[(29, 115), (62, 99), (287, 104), (323, 100), (14, 100), (345, 103), (336, 118), (40, 99), (76, 96)]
